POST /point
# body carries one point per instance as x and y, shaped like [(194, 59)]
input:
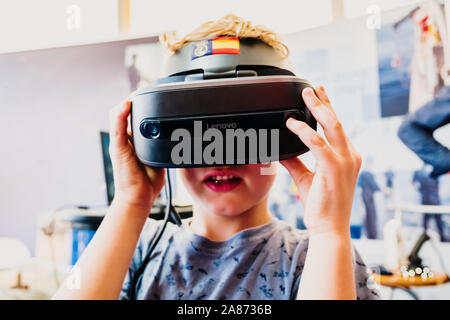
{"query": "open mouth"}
[(222, 181)]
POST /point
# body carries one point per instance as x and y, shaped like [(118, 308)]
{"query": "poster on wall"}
[(410, 48), (395, 47)]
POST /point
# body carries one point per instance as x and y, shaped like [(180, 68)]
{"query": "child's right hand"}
[(135, 184)]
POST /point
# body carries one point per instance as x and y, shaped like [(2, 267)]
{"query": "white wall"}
[(54, 103), (26, 24), (281, 16)]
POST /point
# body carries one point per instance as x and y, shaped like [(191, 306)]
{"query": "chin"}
[(225, 209)]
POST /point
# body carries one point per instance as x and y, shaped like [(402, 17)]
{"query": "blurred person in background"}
[(429, 102), (134, 76), (369, 186), (428, 188), (389, 175)]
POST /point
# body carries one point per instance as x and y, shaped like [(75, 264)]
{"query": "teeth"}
[(222, 178)]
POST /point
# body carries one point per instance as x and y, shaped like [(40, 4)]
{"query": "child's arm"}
[(104, 263), (327, 196)]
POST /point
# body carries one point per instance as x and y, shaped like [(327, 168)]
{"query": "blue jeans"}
[(416, 132)]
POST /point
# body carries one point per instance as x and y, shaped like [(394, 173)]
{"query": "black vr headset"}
[(222, 101)]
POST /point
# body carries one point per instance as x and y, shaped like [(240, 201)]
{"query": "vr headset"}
[(221, 101)]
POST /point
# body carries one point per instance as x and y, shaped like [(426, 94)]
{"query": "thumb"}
[(301, 175), (119, 144)]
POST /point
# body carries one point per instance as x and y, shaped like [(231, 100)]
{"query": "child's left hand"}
[(327, 193)]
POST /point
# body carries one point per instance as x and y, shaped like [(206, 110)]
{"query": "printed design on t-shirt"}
[(242, 289), (179, 295), (202, 271), (264, 267), (267, 291), (201, 286), (187, 266), (259, 248), (241, 275), (170, 280), (263, 275), (298, 270), (284, 250), (361, 264), (280, 274), (283, 289), (216, 262), (195, 247), (374, 293), (287, 254), (203, 296)]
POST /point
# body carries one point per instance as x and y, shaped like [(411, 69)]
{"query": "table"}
[(397, 281)]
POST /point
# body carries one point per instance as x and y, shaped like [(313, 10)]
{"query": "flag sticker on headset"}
[(219, 45)]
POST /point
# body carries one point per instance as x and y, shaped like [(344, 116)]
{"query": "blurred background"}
[(64, 64)]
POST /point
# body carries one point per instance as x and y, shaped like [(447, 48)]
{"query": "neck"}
[(221, 228)]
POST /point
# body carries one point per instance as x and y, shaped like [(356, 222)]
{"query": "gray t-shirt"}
[(264, 262)]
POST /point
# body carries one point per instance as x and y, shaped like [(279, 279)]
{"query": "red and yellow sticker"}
[(218, 45)]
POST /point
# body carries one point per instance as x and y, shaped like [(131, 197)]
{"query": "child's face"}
[(230, 190)]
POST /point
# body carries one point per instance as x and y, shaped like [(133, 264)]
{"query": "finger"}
[(118, 126), (154, 173), (356, 156), (324, 114), (318, 146), (301, 175), (129, 125), (322, 95)]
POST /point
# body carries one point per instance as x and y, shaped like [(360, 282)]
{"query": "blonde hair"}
[(228, 25)]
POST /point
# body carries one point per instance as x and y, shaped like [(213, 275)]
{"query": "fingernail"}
[(308, 92), (290, 122), (128, 104)]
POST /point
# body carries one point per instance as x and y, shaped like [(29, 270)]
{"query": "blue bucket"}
[(83, 230), (355, 231)]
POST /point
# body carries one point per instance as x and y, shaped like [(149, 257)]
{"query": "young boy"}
[(232, 247)]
